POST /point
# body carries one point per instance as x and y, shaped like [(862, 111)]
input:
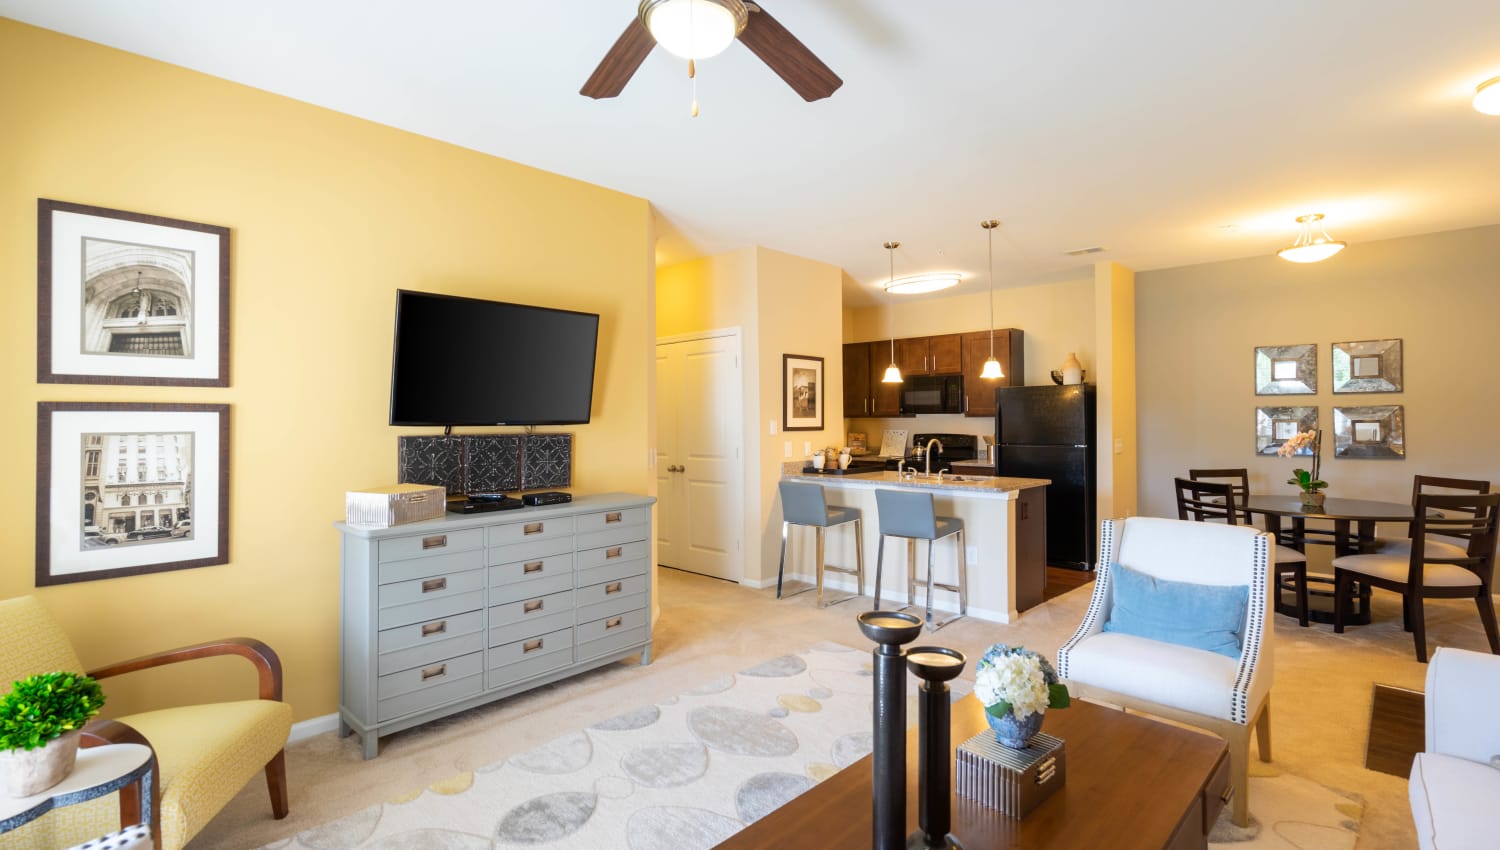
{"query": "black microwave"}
[(932, 394)]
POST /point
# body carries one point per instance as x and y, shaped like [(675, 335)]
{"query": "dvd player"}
[(477, 506), (549, 498)]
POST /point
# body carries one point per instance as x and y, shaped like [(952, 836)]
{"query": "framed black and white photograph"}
[(124, 489), (128, 298), (1286, 369), (801, 393), (1372, 431), (1276, 425), (1370, 366)]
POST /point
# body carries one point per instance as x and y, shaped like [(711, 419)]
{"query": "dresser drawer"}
[(601, 637), (590, 558), (430, 631), (501, 635), (613, 519), (531, 608), (430, 587), (435, 543), (534, 589), (525, 531), (531, 568), (431, 609), (608, 591), (431, 565), (536, 647), (611, 571), (411, 690), (608, 606), (1216, 794), (550, 652), (612, 536), (429, 653)]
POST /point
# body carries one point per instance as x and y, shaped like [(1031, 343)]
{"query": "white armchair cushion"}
[(1190, 679), (1453, 803), (1462, 690)]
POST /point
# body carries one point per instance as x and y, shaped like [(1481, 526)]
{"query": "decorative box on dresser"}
[(444, 615)]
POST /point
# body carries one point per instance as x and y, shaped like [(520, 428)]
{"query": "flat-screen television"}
[(467, 361)]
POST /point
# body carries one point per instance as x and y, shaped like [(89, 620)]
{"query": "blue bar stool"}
[(803, 504), (908, 514)]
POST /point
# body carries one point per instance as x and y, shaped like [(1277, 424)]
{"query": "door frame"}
[(739, 523)]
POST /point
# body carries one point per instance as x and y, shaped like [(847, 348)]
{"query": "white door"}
[(699, 465)]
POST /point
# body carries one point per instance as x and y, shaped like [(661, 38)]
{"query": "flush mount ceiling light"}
[(920, 283), (991, 370), (1487, 97), (892, 372), (1312, 245), (694, 29)]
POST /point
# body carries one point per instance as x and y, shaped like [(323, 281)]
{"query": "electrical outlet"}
[(771, 427), (807, 448), (788, 451), (972, 554), (1119, 445)]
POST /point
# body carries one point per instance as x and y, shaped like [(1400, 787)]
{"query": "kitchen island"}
[(1005, 523)]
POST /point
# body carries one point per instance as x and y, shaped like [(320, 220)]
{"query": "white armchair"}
[(1199, 687), (1453, 787)]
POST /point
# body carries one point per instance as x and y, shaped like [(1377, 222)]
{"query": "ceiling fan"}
[(694, 29)]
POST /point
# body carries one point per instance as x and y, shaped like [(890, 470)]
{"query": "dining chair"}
[(1208, 501), (1419, 574), (1237, 478), (1437, 486)]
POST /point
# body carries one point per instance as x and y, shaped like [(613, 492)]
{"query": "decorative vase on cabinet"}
[(1072, 370)]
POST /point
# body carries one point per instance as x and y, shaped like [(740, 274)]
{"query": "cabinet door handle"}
[(532, 606), (613, 552), (430, 629), (434, 671), (1227, 795), (533, 567), (613, 587), (437, 541), (867, 404), (532, 528), (435, 584), (613, 622), (614, 517), (531, 646)]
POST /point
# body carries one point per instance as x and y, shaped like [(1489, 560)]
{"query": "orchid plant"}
[(1013, 679), (1312, 440)]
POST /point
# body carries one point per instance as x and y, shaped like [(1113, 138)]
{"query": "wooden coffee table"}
[(1132, 784)]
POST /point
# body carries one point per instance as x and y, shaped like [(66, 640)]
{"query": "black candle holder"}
[(935, 666), (889, 630)]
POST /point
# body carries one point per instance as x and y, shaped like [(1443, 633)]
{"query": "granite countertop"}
[(976, 485)]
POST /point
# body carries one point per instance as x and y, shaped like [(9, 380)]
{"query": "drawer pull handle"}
[(613, 587), (533, 528), (613, 552), (437, 541), (435, 584), (614, 517), (613, 622), (1227, 795), (533, 606), (531, 646), (430, 629), (434, 671), (533, 567)]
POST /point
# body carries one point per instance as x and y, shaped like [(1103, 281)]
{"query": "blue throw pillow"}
[(1203, 616)]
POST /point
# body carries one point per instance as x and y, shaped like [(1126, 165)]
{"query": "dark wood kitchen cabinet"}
[(1009, 350), (885, 399), (856, 379), (931, 355)]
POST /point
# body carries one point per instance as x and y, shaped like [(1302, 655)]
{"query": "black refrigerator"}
[(1049, 432)]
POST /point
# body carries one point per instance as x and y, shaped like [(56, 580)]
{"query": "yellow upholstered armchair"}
[(205, 753)]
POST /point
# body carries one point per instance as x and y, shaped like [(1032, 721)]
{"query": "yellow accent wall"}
[(330, 215), (1115, 379)]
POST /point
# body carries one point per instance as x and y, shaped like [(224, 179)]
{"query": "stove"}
[(956, 447)]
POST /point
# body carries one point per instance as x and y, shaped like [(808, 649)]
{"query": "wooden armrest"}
[(266, 662), (101, 732), (133, 809)]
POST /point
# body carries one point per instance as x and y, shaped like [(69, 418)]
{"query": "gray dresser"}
[(444, 615)]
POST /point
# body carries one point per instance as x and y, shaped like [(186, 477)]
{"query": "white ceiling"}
[(1168, 132)]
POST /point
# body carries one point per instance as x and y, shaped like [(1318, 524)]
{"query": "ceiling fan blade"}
[(788, 57), (620, 62)]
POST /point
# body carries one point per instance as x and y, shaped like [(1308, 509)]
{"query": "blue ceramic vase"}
[(1014, 733)]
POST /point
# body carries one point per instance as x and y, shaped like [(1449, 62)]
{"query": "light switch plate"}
[(771, 427), (807, 448), (788, 452)]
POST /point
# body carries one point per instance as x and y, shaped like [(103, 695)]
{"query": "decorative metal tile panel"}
[(492, 463), (547, 461), (431, 460)]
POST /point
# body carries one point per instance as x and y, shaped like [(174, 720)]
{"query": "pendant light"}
[(1487, 97), (892, 372), (1311, 247), (992, 370)]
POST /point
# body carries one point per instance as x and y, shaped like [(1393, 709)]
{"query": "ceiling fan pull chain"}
[(693, 75)]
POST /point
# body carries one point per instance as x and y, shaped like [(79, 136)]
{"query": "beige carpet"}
[(1321, 702)]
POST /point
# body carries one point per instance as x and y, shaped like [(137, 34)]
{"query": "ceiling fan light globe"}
[(992, 370), (693, 29)]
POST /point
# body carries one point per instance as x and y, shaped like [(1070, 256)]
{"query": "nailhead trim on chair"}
[(1239, 709), (1107, 555)]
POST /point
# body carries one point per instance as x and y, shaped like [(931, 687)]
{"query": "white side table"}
[(99, 771)]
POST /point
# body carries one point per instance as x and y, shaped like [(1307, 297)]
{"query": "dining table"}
[(1353, 533)]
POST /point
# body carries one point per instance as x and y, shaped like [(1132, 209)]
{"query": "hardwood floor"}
[(1060, 581)]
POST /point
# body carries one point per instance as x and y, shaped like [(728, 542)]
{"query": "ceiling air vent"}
[(1082, 251)]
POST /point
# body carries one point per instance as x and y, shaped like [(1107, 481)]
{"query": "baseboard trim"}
[(312, 727)]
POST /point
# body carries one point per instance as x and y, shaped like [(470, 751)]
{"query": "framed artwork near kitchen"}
[(128, 298), (124, 489), (801, 393)]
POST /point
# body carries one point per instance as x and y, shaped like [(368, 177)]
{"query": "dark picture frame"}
[(130, 298), (802, 392), (125, 489)]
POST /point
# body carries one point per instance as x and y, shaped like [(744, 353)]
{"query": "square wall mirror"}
[(1375, 431), (1371, 366), (1286, 370), (1276, 425)]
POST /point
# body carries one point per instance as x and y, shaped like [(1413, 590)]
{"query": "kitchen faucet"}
[(927, 469)]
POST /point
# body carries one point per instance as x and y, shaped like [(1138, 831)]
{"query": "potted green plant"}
[(40, 721)]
